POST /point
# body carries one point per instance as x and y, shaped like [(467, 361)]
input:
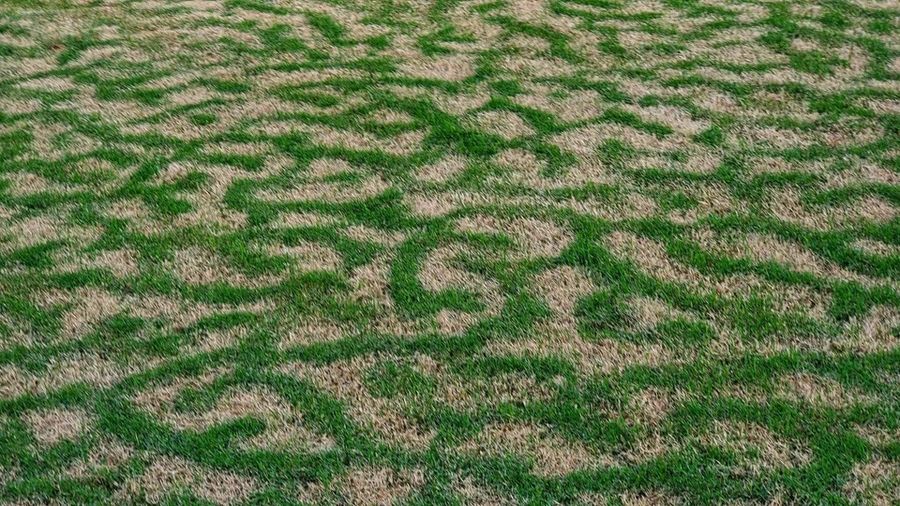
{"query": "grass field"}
[(449, 252)]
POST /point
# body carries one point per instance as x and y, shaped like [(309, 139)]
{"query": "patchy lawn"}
[(449, 252)]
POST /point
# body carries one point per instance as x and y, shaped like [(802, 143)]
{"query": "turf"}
[(449, 252)]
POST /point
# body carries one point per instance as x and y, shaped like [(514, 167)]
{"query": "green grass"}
[(258, 252)]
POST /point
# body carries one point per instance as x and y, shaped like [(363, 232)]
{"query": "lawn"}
[(449, 252)]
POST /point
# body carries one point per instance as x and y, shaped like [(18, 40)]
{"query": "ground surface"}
[(471, 252)]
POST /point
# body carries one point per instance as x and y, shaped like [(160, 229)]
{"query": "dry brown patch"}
[(368, 486), (773, 451), (650, 312), (344, 380), (552, 455), (534, 237), (90, 307), (877, 331), (54, 425), (452, 67), (169, 474), (473, 494), (874, 482), (767, 248), (41, 229), (391, 117), (820, 391), (526, 167), (371, 284), (602, 356), (651, 257), (650, 498), (310, 331), (285, 427), (561, 288), (536, 67), (877, 436), (311, 256), (24, 184), (650, 406), (120, 262), (175, 313), (443, 170), (325, 167), (675, 118), (461, 103), (508, 388), (503, 123), (201, 266), (439, 273), (327, 192), (105, 455), (303, 220)]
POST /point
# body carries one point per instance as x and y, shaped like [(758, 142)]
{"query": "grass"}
[(497, 252)]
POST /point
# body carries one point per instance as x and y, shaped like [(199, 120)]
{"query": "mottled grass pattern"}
[(449, 252)]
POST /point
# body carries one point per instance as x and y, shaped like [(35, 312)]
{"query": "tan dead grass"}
[(105, 455), (601, 356), (651, 257), (503, 123), (650, 406), (508, 388), (325, 167), (91, 307), (874, 482), (534, 237), (474, 494), (526, 166), (54, 425), (443, 170), (746, 438), (820, 391), (552, 455), (285, 428), (168, 474), (311, 331), (561, 288), (327, 192), (40, 229), (876, 332), (344, 380), (310, 256), (449, 68), (368, 486), (200, 266), (91, 369), (438, 273)]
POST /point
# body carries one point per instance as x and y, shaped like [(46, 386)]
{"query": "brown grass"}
[(54, 425)]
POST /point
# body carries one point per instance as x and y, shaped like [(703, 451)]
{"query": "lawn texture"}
[(449, 252)]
